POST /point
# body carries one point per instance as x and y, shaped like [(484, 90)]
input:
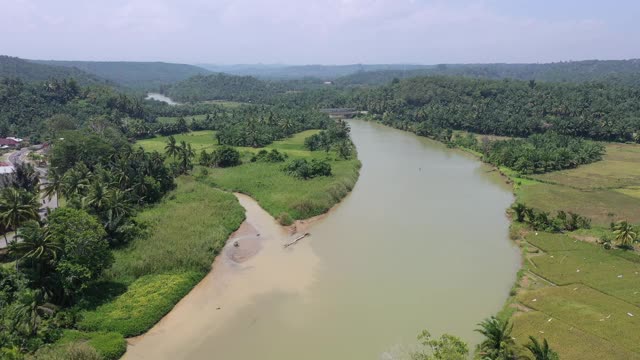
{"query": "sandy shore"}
[(257, 265)]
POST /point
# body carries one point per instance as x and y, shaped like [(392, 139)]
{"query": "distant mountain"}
[(323, 72), (139, 75), (621, 72), (13, 67)]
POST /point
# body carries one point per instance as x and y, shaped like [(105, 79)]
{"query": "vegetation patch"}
[(199, 140), (144, 303), (588, 310), (569, 341), (110, 345), (278, 192), (185, 232), (601, 206)]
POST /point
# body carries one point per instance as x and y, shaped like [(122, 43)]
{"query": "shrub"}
[(285, 219), (269, 156), (225, 156), (303, 169), (81, 351), (540, 220), (109, 345)]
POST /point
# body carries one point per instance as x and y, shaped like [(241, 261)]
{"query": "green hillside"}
[(141, 75), (13, 67)]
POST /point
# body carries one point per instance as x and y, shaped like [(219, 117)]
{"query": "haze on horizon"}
[(320, 31)]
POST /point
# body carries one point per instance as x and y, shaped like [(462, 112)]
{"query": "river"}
[(160, 97), (420, 243)]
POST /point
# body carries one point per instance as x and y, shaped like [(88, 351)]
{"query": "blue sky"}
[(321, 31)]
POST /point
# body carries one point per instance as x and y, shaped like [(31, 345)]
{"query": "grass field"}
[(276, 191), (570, 342), (185, 233), (605, 191), (589, 310), (587, 315), (280, 193), (204, 139)]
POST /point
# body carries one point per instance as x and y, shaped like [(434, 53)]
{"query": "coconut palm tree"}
[(186, 154), (625, 234), (75, 181), (24, 317), (519, 209), (541, 351), (97, 196), (36, 248), (54, 186), (17, 207), (171, 149), (498, 343)]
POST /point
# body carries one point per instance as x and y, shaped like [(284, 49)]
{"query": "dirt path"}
[(258, 265)]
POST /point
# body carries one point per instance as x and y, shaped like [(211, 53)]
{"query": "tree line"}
[(506, 107)]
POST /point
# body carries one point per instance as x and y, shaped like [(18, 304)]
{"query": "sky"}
[(321, 31)]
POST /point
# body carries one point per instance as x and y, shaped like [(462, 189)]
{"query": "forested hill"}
[(223, 87), (620, 72), (505, 107), (139, 75), (321, 72), (13, 67)]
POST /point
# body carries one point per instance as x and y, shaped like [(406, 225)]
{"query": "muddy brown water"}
[(421, 242)]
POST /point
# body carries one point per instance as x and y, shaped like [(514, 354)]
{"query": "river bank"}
[(257, 265)]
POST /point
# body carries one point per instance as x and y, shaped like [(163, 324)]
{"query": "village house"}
[(9, 142)]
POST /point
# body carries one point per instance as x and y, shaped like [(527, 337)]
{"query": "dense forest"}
[(506, 107), (236, 88), (290, 72), (622, 72), (27, 71), (617, 72), (259, 126), (138, 75), (40, 109)]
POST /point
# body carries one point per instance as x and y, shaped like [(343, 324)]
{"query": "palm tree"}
[(171, 149), (54, 186), (75, 181), (186, 154), (541, 351), (25, 318), (36, 247), (498, 343), (17, 207), (117, 204), (625, 234), (97, 196), (519, 210)]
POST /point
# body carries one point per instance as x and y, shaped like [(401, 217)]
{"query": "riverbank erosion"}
[(253, 262)]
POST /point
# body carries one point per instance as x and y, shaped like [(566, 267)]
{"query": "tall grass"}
[(186, 231)]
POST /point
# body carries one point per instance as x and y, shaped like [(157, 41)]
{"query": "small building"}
[(6, 143), (6, 168), (7, 174)]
